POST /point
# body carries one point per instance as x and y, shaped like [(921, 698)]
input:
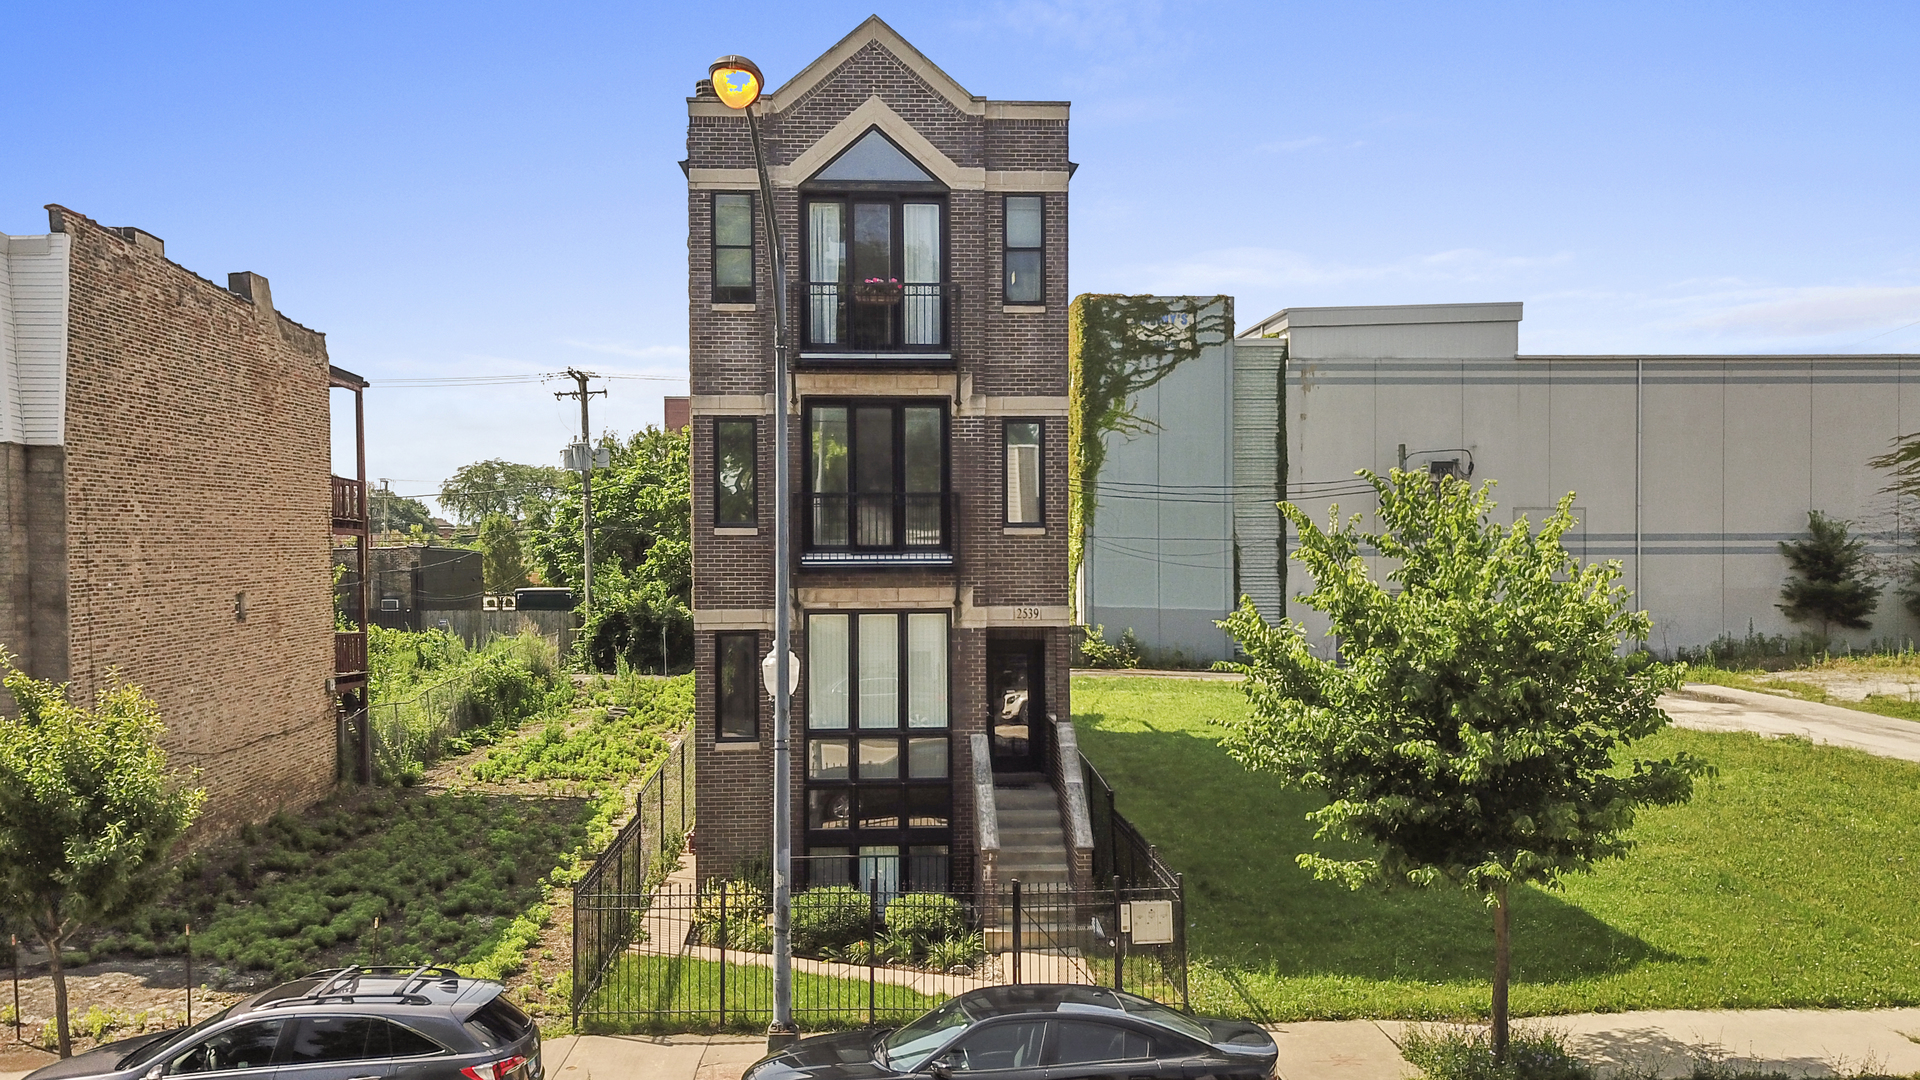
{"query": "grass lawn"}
[(1788, 881), (681, 993)]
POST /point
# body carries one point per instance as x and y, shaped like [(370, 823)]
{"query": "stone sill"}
[(1023, 309), (736, 530), (736, 307), (1024, 530), (734, 746)]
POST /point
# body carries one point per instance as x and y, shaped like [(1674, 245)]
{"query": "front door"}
[(1016, 705)]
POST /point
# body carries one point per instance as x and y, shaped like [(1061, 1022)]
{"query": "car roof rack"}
[(342, 984)]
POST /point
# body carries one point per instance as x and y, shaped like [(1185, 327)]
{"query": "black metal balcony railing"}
[(913, 528), (859, 320)]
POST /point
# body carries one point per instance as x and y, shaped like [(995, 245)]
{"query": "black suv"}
[(358, 1023)]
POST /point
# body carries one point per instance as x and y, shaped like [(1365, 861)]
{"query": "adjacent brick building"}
[(925, 234), (166, 505)]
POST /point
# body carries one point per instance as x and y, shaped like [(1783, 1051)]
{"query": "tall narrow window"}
[(826, 261), (1024, 255), (732, 249), (879, 671), (827, 671), (1023, 473), (738, 707), (734, 500), (927, 670)]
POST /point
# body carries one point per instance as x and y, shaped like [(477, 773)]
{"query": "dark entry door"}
[(1016, 705)]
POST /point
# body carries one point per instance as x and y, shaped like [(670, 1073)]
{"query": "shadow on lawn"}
[(1235, 835)]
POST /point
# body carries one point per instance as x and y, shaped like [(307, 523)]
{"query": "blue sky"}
[(480, 189)]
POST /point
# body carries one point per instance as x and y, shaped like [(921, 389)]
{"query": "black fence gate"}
[(870, 947)]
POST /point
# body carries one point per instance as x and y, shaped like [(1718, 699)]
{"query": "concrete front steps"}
[(1033, 851)]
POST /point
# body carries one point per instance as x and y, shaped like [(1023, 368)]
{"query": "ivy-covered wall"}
[(1117, 347)]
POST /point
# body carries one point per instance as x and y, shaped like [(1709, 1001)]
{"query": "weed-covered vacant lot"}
[(1790, 880), (457, 872)]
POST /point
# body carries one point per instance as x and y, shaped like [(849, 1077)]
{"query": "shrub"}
[(746, 917), (961, 951), (1467, 1054), (829, 917), (924, 918), (1094, 650)]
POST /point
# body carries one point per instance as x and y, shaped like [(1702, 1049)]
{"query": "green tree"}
[(642, 549), (503, 565), (88, 811), (398, 514), (1828, 580), (496, 486), (1474, 731)]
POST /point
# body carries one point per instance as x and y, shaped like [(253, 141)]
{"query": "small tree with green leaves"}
[(503, 565), (1829, 582), (88, 811), (1475, 734)]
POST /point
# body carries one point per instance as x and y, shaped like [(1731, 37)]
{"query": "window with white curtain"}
[(879, 671), (827, 639)]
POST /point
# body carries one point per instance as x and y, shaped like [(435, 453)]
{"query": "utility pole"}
[(586, 485)]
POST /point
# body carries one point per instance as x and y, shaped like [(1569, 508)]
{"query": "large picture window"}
[(1025, 489), (1025, 255), (878, 746), (876, 474), (735, 501), (737, 709), (732, 248)]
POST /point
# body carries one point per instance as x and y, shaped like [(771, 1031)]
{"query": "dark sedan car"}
[(1041, 1032), (352, 1024)]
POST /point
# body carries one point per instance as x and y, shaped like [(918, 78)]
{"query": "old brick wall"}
[(197, 456), (996, 353)]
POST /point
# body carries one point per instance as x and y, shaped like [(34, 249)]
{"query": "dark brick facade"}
[(1004, 363)]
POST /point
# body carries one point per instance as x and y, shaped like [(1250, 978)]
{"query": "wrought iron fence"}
[(1119, 849), (697, 958), (611, 901)]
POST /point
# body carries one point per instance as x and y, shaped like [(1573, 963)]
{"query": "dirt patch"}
[(111, 1000), (1852, 685)]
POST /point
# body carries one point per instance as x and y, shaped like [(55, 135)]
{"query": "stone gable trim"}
[(873, 113)]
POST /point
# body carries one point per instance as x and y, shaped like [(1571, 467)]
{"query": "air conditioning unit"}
[(389, 603), (508, 603), (489, 603)]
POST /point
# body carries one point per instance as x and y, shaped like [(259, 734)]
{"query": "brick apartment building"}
[(166, 506), (926, 246)]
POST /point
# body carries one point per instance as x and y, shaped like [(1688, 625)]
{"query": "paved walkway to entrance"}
[(1722, 708), (1795, 1042)]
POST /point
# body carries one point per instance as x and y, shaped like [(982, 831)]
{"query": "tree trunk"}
[(1501, 950), (53, 943)]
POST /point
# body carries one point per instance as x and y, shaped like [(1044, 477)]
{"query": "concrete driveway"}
[(1722, 708)]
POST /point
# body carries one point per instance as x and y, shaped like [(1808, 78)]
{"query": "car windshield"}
[(153, 1050), (907, 1048), (1157, 1013)]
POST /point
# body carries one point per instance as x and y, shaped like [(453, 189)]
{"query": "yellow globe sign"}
[(736, 80)]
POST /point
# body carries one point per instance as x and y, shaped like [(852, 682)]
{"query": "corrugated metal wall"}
[(1259, 440)]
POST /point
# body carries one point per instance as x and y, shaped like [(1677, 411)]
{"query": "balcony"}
[(349, 655), (349, 505), (884, 529), (901, 324)]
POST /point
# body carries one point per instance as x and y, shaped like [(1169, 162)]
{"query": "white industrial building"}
[(1687, 469)]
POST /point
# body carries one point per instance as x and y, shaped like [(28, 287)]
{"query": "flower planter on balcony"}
[(876, 292)]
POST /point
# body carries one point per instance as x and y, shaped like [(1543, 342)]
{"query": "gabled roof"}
[(876, 30)]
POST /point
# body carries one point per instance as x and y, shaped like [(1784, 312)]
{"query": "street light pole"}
[(737, 82)]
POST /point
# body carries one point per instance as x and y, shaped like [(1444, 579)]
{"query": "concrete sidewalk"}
[(1797, 1042)]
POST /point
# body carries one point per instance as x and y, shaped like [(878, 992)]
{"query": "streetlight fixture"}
[(738, 83)]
